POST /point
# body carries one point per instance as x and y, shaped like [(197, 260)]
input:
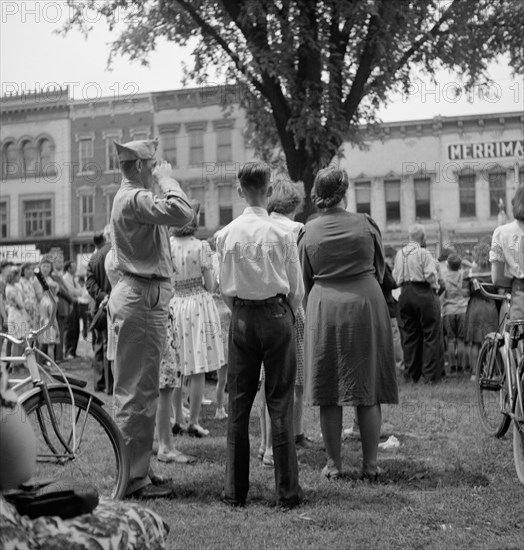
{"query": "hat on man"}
[(136, 150)]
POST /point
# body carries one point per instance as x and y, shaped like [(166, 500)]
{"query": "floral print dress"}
[(195, 319)]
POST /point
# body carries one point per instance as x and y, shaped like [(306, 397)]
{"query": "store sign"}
[(486, 150), (20, 253)]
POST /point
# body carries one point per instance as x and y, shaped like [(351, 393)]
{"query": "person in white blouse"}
[(507, 256)]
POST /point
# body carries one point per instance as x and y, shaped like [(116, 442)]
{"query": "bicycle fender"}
[(76, 391)]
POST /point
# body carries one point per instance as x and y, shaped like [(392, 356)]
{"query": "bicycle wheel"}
[(100, 456), (518, 428), (491, 392)]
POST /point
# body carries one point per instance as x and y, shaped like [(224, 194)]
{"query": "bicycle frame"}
[(512, 354)]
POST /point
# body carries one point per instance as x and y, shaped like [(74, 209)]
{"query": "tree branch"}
[(211, 31), (432, 33)]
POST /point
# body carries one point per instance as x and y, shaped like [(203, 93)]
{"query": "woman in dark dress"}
[(348, 346)]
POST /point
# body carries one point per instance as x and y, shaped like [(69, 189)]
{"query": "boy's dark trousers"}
[(261, 332), (421, 331)]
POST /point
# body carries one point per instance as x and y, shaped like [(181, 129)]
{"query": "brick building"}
[(96, 176), (35, 147), (201, 133)]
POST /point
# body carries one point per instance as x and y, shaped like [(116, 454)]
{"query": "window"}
[(363, 197), (3, 220), (467, 195), (196, 148), (225, 204), (422, 198), (87, 211), (198, 194), (37, 215), (28, 157), (521, 177), (10, 165), (224, 145), (111, 154), (45, 154), (85, 153), (497, 192), (139, 135), (169, 147), (392, 191)]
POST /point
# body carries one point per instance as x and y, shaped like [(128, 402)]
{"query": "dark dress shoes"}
[(152, 491)]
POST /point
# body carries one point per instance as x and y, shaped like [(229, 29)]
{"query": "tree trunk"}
[(301, 168)]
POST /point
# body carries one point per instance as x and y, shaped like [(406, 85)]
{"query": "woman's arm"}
[(497, 275), (210, 282)]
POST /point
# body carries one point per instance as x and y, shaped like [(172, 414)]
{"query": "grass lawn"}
[(446, 486)]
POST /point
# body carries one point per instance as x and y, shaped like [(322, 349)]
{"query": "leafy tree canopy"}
[(315, 70)]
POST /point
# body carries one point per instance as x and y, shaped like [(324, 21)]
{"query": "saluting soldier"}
[(138, 305)]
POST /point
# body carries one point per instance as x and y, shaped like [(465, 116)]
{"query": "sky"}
[(33, 57)]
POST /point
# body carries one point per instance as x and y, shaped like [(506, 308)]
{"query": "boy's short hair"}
[(254, 175), (454, 262), (285, 198)]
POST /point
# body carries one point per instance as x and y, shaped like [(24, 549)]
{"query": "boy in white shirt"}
[(261, 282)]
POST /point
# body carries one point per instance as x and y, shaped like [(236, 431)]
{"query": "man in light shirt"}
[(416, 272), (262, 284)]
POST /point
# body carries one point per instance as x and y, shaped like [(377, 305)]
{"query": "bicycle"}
[(76, 437), (500, 374)]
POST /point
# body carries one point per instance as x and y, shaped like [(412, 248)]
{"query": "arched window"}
[(10, 161), (28, 157), (45, 154)]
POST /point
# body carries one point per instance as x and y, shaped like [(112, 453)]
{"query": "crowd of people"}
[(23, 306), (298, 314)]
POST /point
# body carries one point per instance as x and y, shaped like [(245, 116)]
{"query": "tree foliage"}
[(315, 70)]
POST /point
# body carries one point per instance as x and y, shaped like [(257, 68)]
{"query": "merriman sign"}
[(486, 150)]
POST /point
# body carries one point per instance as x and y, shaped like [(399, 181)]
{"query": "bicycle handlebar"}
[(484, 292)]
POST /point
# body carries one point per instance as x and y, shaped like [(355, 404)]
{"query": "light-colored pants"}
[(397, 344), (138, 312)]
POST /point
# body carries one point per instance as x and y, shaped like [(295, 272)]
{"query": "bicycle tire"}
[(491, 391), (518, 428), (101, 457)]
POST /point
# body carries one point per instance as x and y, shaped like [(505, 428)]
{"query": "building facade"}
[(35, 147), (60, 173), (452, 174), (201, 133), (95, 126)]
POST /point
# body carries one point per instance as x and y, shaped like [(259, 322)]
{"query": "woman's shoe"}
[(197, 431), (331, 473), (177, 457), (268, 461), (372, 477), (261, 452), (178, 429), (221, 413)]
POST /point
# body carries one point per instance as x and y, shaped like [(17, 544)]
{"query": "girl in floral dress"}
[(195, 318), (29, 296), (18, 321)]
